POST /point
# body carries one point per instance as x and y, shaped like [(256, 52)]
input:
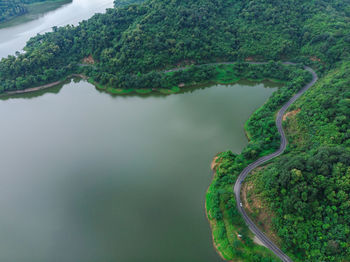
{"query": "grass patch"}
[(173, 90), (143, 91), (117, 91), (226, 74)]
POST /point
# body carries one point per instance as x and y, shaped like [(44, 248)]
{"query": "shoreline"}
[(176, 89), (160, 91), (211, 222), (42, 87), (125, 92), (211, 225)]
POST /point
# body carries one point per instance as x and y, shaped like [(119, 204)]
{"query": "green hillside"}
[(161, 34)]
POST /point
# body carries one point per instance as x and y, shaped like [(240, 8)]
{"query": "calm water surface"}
[(87, 177)]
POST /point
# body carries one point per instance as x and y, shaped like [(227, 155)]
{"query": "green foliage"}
[(156, 80), (226, 221), (309, 187), (313, 218), (123, 3)]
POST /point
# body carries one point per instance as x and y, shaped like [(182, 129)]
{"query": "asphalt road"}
[(237, 188)]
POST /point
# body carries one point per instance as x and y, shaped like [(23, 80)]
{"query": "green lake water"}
[(87, 177)]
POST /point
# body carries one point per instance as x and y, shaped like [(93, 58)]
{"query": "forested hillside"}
[(160, 34), (12, 8), (312, 181), (308, 187)]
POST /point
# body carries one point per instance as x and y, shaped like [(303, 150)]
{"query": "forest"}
[(162, 34), (133, 45)]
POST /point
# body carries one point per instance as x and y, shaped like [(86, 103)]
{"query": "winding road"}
[(237, 188)]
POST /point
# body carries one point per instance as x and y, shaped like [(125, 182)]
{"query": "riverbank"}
[(34, 10)]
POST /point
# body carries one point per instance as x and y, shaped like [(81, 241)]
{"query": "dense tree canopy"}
[(161, 34)]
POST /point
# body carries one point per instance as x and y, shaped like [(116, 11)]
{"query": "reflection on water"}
[(88, 177)]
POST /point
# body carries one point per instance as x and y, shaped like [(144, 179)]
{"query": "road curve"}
[(237, 188)]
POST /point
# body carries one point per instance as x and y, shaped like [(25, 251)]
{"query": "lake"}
[(90, 177)]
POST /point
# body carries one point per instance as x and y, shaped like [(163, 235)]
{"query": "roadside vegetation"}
[(308, 187)]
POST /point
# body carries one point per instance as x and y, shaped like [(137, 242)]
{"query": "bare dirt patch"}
[(213, 164), (89, 60), (291, 114), (315, 59), (258, 241), (258, 210)]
